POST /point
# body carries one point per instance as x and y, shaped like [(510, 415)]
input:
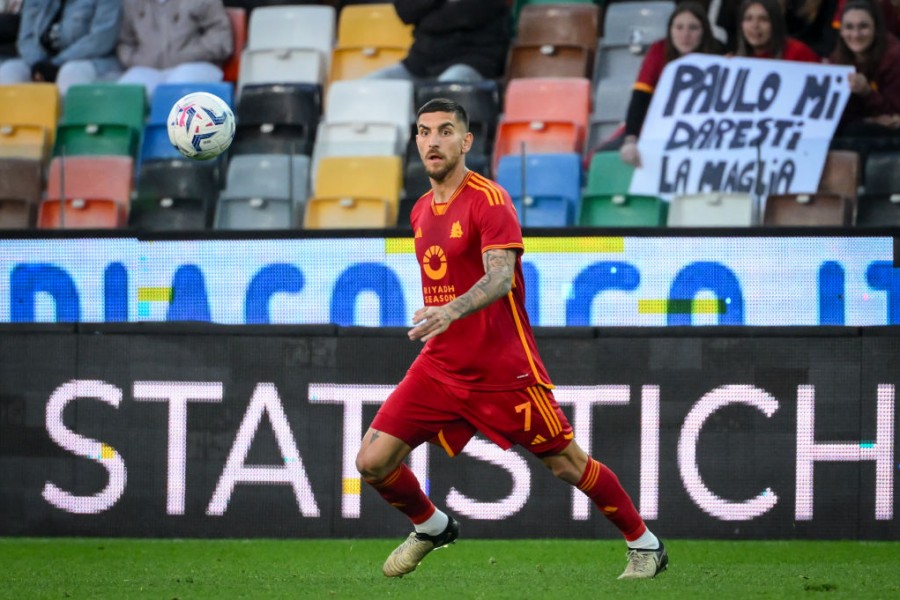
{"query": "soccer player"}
[(479, 369)]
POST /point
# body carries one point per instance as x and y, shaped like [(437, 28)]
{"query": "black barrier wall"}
[(210, 431)]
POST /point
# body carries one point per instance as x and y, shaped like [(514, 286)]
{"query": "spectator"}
[(890, 8), (873, 110), (173, 41), (688, 31), (9, 28), (763, 34), (65, 42), (460, 40)]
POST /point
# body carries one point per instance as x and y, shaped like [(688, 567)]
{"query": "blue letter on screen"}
[(880, 275), (594, 280), (831, 293), (115, 293), (368, 277), (269, 281), (707, 276), (532, 292), (26, 281), (189, 299)]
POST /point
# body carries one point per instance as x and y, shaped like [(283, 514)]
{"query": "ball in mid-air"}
[(201, 126)]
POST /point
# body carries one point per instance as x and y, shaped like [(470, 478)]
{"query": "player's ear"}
[(467, 141)]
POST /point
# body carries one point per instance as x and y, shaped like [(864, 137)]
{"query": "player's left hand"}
[(430, 321)]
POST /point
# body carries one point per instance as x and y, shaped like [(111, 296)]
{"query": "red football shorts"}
[(421, 409)]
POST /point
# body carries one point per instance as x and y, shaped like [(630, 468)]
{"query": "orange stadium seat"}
[(92, 177), (546, 114), (238, 18), (80, 213)]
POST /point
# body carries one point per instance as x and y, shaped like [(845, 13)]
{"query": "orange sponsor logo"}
[(434, 262)]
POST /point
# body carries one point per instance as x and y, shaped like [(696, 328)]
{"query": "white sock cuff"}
[(435, 524)]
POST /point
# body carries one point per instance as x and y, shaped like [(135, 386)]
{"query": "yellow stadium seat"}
[(372, 25), (369, 37), (355, 192), (28, 116)]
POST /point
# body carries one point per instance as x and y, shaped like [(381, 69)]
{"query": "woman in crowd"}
[(65, 42), (763, 34), (688, 31), (874, 106)]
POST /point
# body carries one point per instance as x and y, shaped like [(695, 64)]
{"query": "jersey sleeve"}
[(498, 222)]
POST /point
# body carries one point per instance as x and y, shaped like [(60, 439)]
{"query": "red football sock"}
[(602, 486), (401, 489)]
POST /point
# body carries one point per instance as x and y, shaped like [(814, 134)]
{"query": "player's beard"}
[(440, 173)]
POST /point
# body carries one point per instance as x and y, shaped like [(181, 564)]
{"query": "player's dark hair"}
[(445, 105)]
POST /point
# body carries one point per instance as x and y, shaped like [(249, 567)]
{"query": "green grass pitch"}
[(489, 569)]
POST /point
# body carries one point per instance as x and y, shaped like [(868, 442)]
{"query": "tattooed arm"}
[(499, 266)]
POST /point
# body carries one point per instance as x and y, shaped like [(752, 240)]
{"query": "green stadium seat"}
[(623, 210), (101, 118)]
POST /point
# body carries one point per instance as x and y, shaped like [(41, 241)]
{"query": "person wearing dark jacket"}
[(453, 40)]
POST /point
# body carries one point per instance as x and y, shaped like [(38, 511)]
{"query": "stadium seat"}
[(607, 175), (623, 210), (552, 188), (103, 118), (288, 44), (92, 178), (353, 63), (519, 5), (882, 173), (482, 102), (554, 40), (355, 192), (369, 37), (616, 63), (167, 94), (636, 23), (28, 116), (238, 18), (559, 23), (840, 175), (712, 209), (878, 210), (533, 60), (546, 115), (610, 108), (277, 119), (263, 191), (174, 195), (255, 213), (833, 210), (80, 213), (21, 186), (372, 102), (372, 26)]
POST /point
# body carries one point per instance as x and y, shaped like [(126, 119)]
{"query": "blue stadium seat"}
[(552, 187), (165, 96)]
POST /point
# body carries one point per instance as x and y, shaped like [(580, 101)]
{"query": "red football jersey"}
[(493, 348)]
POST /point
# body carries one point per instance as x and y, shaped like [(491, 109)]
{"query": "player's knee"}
[(371, 466)]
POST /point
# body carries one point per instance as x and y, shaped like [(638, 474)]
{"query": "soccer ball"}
[(201, 126)]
